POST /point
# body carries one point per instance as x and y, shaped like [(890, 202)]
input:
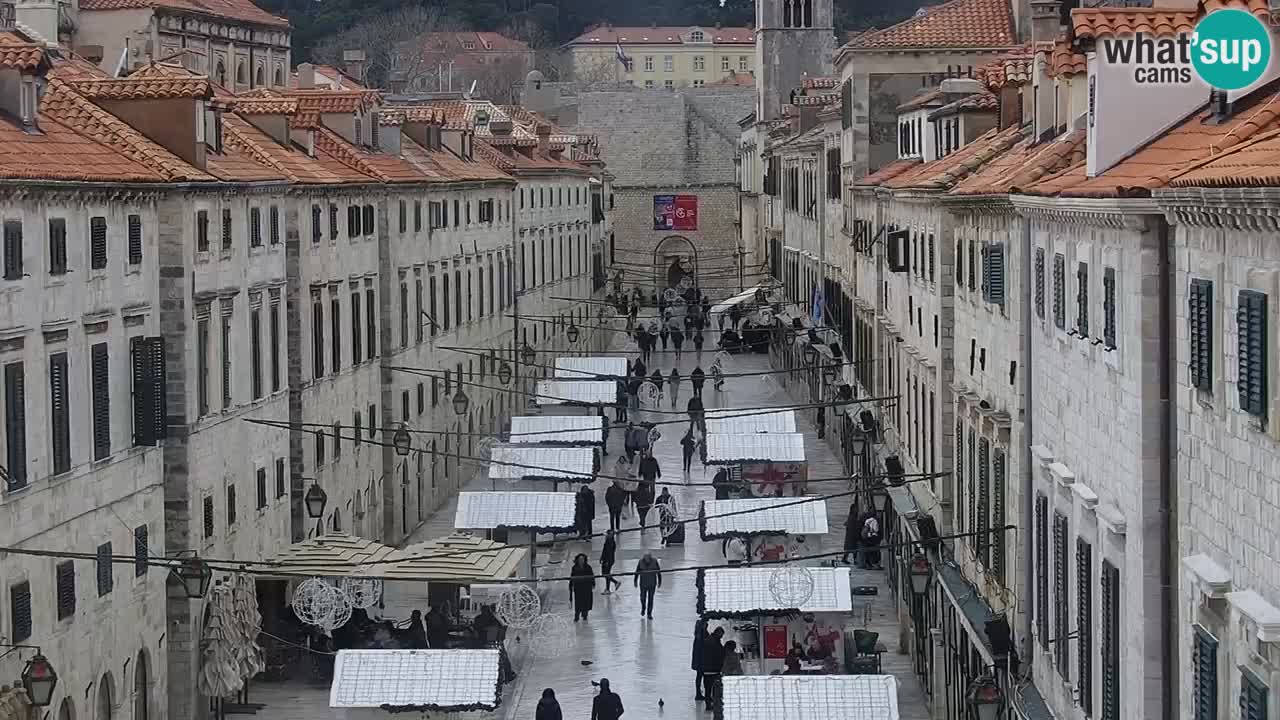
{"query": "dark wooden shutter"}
[(274, 348), (368, 220), (333, 221), (961, 490), (57, 246), (202, 231), (273, 219), (1251, 319), (404, 314), (280, 478), (65, 585), (1082, 299), (1204, 666), (317, 338), (255, 352), (1110, 584), (846, 104), (998, 479), (1039, 280), (982, 541), (261, 478), (1060, 290), (1061, 605), (140, 550), (353, 221), (1084, 624), (226, 228), (15, 421), (13, 250), (135, 239), (1042, 570), (417, 216), (1109, 308), (255, 227), (1200, 330), (59, 413), (207, 518), (335, 328), (993, 274), (316, 230), (356, 330), (100, 380), (20, 612), (106, 578), (404, 216), (1253, 697), (97, 243), (371, 323), (973, 485), (232, 504)]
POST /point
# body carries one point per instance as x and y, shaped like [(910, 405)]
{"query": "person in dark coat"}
[(638, 368), (699, 378), (697, 416), (712, 665), (698, 340), (657, 379), (416, 634), (650, 470), (870, 536), (437, 628), (548, 706), (585, 511), (648, 578), (614, 499), (700, 636), (674, 381), (633, 391), (664, 333), (604, 447), (677, 340), (644, 501), (721, 483), (582, 583), (735, 314), (852, 535), (608, 554), (606, 705), (687, 446), (620, 402)]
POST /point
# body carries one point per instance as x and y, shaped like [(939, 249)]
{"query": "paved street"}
[(645, 660)]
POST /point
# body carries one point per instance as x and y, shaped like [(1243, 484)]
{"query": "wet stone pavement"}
[(646, 661)]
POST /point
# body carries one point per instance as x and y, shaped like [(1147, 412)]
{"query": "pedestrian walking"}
[(620, 403), (687, 446), (650, 470), (699, 378), (548, 706), (614, 499), (608, 554), (606, 705), (735, 314), (721, 483), (852, 536), (657, 379), (700, 636), (712, 666), (584, 511), (698, 339), (664, 333), (822, 422), (677, 340), (582, 583), (667, 518), (644, 500), (648, 578), (604, 448), (633, 392), (697, 415), (870, 541), (674, 381), (638, 368)]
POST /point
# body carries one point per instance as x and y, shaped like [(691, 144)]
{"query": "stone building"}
[(663, 58)]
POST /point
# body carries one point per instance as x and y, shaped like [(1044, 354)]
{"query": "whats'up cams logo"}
[(1228, 50)]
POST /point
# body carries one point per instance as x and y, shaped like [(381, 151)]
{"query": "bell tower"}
[(794, 39)]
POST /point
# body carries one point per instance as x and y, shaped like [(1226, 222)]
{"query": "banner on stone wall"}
[(675, 212)]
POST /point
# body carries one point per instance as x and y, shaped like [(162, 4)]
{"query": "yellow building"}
[(662, 57)]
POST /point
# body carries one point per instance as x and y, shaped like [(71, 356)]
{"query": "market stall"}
[(513, 463), (812, 630), (516, 517), (773, 528), (449, 566), (792, 697), (765, 464), (750, 422), (576, 396), (591, 368), (377, 683), (573, 430)]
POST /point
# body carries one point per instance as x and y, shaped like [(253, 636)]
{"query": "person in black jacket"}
[(700, 636), (687, 447), (606, 705), (644, 500), (712, 665), (608, 554), (697, 417), (699, 377), (852, 535), (664, 333), (615, 498), (657, 379), (650, 470), (677, 340), (698, 340), (548, 706), (585, 511), (582, 583), (721, 483)]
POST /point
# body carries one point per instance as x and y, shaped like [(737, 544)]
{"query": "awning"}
[(744, 592), (763, 516), (576, 392), (725, 449), (557, 429), (542, 462), (810, 697), (725, 305), (458, 558), (333, 555), (443, 681), (542, 511), (591, 368), (750, 422)]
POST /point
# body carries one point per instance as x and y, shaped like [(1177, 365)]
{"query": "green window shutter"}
[(1204, 665), (1039, 288), (1042, 570), (1251, 319), (1109, 308), (1084, 624), (1110, 641), (1253, 697), (1060, 291), (1200, 330)]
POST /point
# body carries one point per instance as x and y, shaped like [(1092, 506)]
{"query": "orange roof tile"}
[(378, 166), (19, 53), (498, 159), (1065, 60), (241, 161), (977, 102), (338, 78), (945, 172), (443, 166), (73, 67), (825, 83), (1093, 23), (265, 106), (146, 88), (290, 160), (305, 120), (59, 153), (888, 172), (242, 10), (969, 24), (334, 101), (1252, 164), (661, 35), (1024, 164), (390, 118)]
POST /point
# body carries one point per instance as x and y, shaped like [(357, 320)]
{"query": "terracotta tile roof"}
[(241, 161), (1024, 164), (1192, 143), (811, 100), (1252, 164), (480, 43), (943, 173), (144, 88), (334, 101), (825, 83), (19, 53), (289, 160), (977, 102), (266, 106), (305, 120), (444, 166), (390, 118), (425, 115), (60, 153), (242, 10), (1065, 60), (662, 35), (495, 157), (736, 79), (886, 173), (73, 67), (378, 166), (970, 24), (923, 99), (1093, 23)]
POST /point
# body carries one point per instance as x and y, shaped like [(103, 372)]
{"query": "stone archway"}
[(105, 709), (674, 257), (142, 687)]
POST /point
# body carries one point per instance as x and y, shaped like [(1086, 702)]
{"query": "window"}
[(998, 480), (1082, 299), (106, 578), (457, 212), (446, 317), (202, 359), (648, 63), (65, 583), (316, 230), (333, 221), (135, 239), (417, 216), (146, 355), (697, 36), (226, 228), (982, 524), (724, 63), (226, 356), (404, 405), (699, 83), (207, 518), (1060, 606), (1253, 697), (973, 265), (255, 227), (20, 611), (1110, 584), (231, 505), (404, 217), (1109, 308), (457, 297), (371, 322), (255, 352), (367, 216), (97, 242), (422, 398), (1200, 330), (1084, 624), (100, 390), (274, 321), (668, 84), (486, 211), (335, 331), (668, 65), (404, 313), (15, 425), (280, 478), (359, 427), (1039, 280), (353, 221), (337, 441), (1251, 321), (993, 274), (202, 231), (1042, 570), (373, 414), (1059, 290), (431, 304), (356, 328), (742, 62), (59, 413), (140, 550), (57, 248), (273, 224), (317, 337)]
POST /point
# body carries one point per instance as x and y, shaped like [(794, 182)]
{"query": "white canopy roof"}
[(746, 590), (447, 679), (513, 462), (750, 422), (772, 515), (566, 429), (724, 305), (724, 449), (521, 510), (579, 392), (810, 697), (591, 368)]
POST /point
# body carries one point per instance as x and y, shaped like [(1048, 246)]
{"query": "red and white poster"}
[(775, 641), (675, 212), (686, 212)]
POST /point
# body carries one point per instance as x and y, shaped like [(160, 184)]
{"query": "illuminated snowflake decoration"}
[(318, 603), (518, 607), (362, 592), (550, 636), (670, 294), (484, 450), (791, 585), (668, 519), (686, 282)]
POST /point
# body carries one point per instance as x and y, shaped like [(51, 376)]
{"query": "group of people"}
[(606, 705), (647, 577), (713, 658)]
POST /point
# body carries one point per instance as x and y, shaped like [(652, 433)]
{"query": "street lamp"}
[(920, 571), (844, 394), (810, 355), (195, 576), (39, 680), (879, 497), (527, 354), (831, 372), (893, 470), (461, 403), (401, 440), (572, 333), (986, 698), (315, 500), (504, 373)]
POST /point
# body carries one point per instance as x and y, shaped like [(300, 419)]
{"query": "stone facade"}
[(635, 240)]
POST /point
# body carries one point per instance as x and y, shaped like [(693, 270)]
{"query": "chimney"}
[(306, 76), (544, 137), (1010, 107), (500, 128), (39, 17), (390, 123), (353, 63), (1046, 20)]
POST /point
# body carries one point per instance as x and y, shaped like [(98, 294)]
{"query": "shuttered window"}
[(417, 216), (1060, 291), (1084, 624), (404, 217), (1253, 697), (261, 483), (232, 505), (1251, 321), (1204, 667), (371, 321), (353, 221), (15, 424), (20, 612), (1060, 605), (208, 516), (281, 485), (274, 349), (959, 261), (993, 274), (445, 317), (273, 224), (1110, 585), (1042, 570), (202, 231), (418, 318), (1082, 299), (202, 363), (57, 246), (335, 332), (59, 414), (1109, 308), (961, 479), (100, 390), (135, 239), (422, 398), (973, 487), (337, 441), (356, 330), (1039, 282), (255, 352), (255, 227), (404, 314), (13, 250), (141, 550), (106, 578), (368, 219), (933, 260), (226, 357), (226, 228), (317, 230), (373, 421), (982, 541), (333, 221), (97, 243), (998, 479), (65, 587), (973, 265), (1200, 332), (319, 448), (317, 337)]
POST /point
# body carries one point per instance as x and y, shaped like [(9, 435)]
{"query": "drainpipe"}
[(1028, 462), (1168, 466)]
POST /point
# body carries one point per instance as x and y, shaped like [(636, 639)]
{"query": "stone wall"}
[(634, 236)]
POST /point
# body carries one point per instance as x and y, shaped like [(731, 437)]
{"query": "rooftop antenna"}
[(470, 93), (124, 58)]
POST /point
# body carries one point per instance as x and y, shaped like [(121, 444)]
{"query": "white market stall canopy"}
[(518, 462), (437, 680), (543, 511), (763, 516), (591, 368), (332, 555), (459, 558), (723, 449), (744, 592), (558, 429), (725, 305), (810, 697), (576, 392), (750, 422)]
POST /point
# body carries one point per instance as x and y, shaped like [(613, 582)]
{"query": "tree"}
[(394, 44)]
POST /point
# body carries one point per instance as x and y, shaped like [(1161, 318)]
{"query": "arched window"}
[(786, 13), (142, 687), (279, 78), (260, 77), (106, 698), (220, 74), (66, 710), (808, 13), (242, 73), (797, 14), (697, 36)]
